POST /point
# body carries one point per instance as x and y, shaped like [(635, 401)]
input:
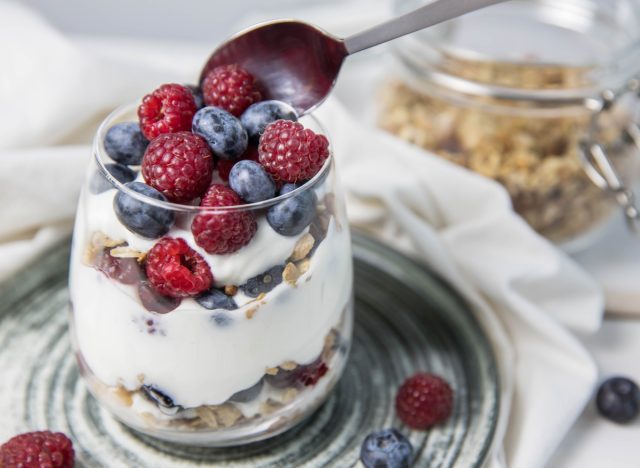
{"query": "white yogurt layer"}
[(190, 357)]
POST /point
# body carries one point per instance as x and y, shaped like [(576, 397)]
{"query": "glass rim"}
[(102, 159)]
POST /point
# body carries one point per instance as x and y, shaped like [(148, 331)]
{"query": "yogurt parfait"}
[(211, 271)]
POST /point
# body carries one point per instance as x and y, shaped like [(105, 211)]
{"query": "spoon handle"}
[(423, 17)]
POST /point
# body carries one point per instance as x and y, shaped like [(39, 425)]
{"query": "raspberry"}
[(424, 400), (37, 450), (311, 374), (168, 109), (224, 165), (176, 270), (223, 232), (291, 153), (231, 88), (179, 165)]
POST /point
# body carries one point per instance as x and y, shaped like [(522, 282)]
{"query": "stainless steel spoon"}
[(298, 63)]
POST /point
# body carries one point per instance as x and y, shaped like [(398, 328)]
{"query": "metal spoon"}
[(298, 63)]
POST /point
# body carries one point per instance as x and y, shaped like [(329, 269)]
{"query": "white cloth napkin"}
[(528, 295)]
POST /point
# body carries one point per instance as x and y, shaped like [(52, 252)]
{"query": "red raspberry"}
[(223, 232), (231, 88), (179, 165), (224, 165), (176, 270), (37, 450), (311, 374), (424, 400), (168, 109), (290, 152)]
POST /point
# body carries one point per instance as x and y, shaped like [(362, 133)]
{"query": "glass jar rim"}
[(100, 155), (417, 55)]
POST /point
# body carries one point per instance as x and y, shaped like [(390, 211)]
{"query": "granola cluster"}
[(535, 158)]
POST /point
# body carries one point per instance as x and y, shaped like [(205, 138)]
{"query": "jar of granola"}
[(539, 96)]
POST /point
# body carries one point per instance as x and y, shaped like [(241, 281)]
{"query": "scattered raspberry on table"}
[(424, 400), (41, 449)]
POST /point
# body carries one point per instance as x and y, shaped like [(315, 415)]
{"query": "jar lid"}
[(540, 50)]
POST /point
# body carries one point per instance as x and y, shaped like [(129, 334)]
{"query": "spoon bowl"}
[(294, 62)]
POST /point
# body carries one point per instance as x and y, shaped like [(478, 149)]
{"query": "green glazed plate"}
[(407, 320)]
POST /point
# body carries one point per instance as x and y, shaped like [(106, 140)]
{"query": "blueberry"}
[(263, 283), (248, 394), (216, 299), (197, 95), (154, 302), (291, 216), (222, 131), (259, 115), (142, 218), (618, 399), (162, 400), (249, 180), (124, 143), (387, 448), (120, 172), (283, 379)]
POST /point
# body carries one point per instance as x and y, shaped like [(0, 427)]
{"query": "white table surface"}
[(593, 442)]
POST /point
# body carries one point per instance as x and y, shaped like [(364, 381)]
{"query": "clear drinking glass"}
[(179, 371)]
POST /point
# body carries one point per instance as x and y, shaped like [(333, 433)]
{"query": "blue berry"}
[(618, 399), (263, 283), (248, 394), (387, 448), (222, 131), (197, 95), (141, 218), (291, 216), (120, 172), (249, 180), (259, 115), (125, 143), (216, 299), (163, 401)]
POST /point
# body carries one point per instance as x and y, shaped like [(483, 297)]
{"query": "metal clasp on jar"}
[(597, 163)]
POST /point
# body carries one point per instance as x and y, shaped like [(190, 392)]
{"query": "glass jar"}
[(519, 92), (244, 361)]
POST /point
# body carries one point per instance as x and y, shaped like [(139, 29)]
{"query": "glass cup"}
[(244, 367)]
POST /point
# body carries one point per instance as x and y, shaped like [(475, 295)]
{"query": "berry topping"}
[(291, 216), (618, 399), (223, 232), (179, 165), (231, 88), (168, 109), (37, 450), (248, 394), (120, 172), (222, 131), (224, 166), (264, 282), (259, 115), (291, 153), (176, 270), (123, 270), (216, 299), (424, 400), (125, 143), (154, 302), (197, 95), (163, 401), (249, 180), (386, 448), (141, 218)]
